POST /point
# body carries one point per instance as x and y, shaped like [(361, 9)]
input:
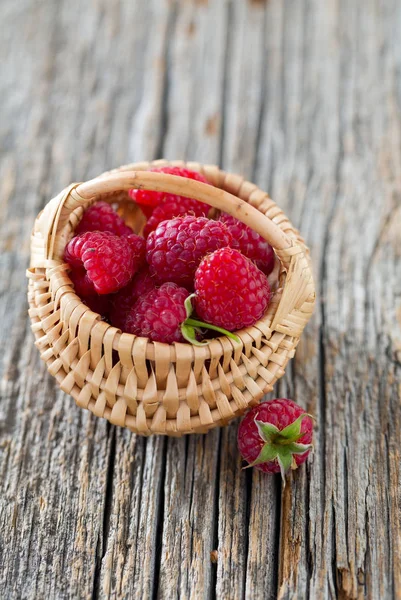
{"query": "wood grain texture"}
[(303, 97)]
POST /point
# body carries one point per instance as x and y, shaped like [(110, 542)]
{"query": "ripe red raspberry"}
[(101, 217), (275, 436), (159, 314), (169, 209), (175, 249), (231, 291), (138, 247), (84, 288), (109, 260), (124, 300), (250, 243), (148, 199), (99, 304), (82, 284)]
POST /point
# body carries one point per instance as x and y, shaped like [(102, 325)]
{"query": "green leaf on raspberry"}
[(189, 333), (188, 305), (266, 430), (202, 324), (190, 326), (267, 454), (281, 444), (293, 431), (284, 458), (299, 448)]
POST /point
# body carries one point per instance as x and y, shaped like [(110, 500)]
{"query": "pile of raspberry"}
[(183, 277)]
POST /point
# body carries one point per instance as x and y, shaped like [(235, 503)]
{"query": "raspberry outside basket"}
[(152, 387)]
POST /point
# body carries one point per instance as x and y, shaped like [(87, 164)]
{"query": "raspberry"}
[(231, 292), (82, 284), (159, 314), (250, 243), (169, 209), (99, 304), (138, 247), (148, 199), (101, 217), (124, 300), (275, 436), (109, 260), (175, 249), (84, 288)]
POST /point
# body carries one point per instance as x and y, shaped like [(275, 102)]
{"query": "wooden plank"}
[(303, 96), (129, 562), (339, 529), (53, 458), (302, 154)]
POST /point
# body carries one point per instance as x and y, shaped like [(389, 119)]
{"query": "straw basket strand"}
[(151, 387)]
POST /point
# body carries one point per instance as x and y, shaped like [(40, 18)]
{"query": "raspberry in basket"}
[(138, 247), (159, 314), (275, 436), (148, 199), (101, 217), (124, 300), (85, 290), (250, 243), (109, 260), (164, 315), (175, 249), (230, 290), (169, 209)]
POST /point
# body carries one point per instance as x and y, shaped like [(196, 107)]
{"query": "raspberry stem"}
[(196, 323), (190, 326)]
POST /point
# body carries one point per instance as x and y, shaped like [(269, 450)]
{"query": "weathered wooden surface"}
[(303, 96)]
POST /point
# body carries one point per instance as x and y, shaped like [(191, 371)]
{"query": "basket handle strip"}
[(216, 197), (81, 194)]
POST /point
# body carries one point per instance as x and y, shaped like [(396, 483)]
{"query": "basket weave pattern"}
[(151, 387)]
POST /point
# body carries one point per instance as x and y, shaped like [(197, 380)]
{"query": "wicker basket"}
[(152, 387)]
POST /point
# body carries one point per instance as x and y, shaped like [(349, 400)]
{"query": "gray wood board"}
[(303, 97)]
